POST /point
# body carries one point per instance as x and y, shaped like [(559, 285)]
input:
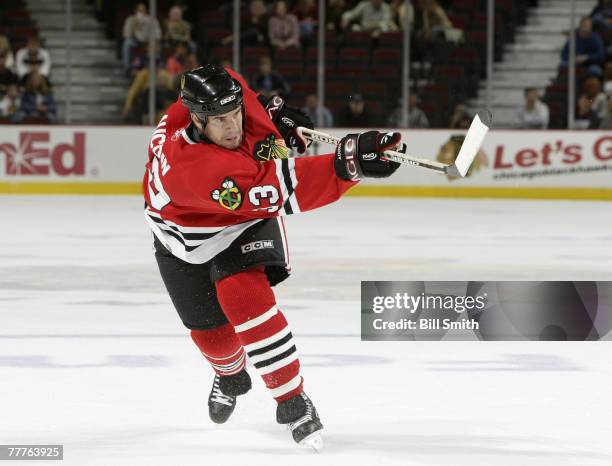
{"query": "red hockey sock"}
[(221, 347), (249, 304)]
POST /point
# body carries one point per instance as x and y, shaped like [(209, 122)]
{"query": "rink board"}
[(512, 164)]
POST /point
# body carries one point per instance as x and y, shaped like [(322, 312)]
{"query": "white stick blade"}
[(471, 144)]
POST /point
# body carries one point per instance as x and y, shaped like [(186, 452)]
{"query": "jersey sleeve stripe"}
[(281, 184), (287, 206), (293, 198), (285, 172)]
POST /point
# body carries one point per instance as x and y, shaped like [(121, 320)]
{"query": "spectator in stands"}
[(283, 27), (602, 16), (177, 30), (5, 48), (7, 77), (33, 58), (435, 22), (355, 115), (460, 119), (607, 78), (306, 12), (141, 61), (310, 108), (369, 15), (334, 10), (180, 61), (534, 114), (416, 116), (590, 51), (398, 9), (267, 81), (606, 122), (592, 91), (10, 104), (37, 100), (136, 104), (586, 118), (254, 31), (137, 30)]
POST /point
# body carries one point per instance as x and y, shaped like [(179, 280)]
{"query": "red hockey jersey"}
[(200, 197)]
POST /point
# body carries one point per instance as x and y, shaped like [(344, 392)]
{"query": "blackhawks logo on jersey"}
[(270, 148), (229, 195)]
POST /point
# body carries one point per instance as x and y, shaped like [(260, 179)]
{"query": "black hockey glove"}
[(361, 155), (287, 119)]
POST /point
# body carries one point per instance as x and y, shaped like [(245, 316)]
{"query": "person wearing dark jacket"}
[(355, 115), (269, 82), (590, 50), (37, 100)]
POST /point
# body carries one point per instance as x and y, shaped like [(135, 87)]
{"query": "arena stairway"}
[(99, 85), (531, 61)]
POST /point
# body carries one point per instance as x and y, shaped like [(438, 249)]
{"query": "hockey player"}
[(217, 184)]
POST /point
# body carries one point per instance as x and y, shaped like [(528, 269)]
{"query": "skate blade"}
[(314, 441)]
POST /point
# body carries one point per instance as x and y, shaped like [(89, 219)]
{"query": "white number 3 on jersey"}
[(269, 192)]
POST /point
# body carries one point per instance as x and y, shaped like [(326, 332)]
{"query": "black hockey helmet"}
[(209, 91)]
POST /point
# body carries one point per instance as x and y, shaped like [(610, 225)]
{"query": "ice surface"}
[(92, 355)]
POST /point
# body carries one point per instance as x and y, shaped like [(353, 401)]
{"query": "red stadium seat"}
[(459, 20), (290, 71), (252, 54), (352, 55), (218, 33), (35, 121), (357, 38), (330, 38), (290, 54), (339, 89), (304, 88), (373, 89), (312, 55), (387, 55), (382, 71), (212, 18), (395, 39), (353, 70)]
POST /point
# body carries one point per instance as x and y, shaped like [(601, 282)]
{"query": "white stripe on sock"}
[(286, 388), (267, 341), (249, 324), (228, 367), (272, 352), (278, 364), (207, 356)]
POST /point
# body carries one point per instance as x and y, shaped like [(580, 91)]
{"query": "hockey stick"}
[(467, 153)]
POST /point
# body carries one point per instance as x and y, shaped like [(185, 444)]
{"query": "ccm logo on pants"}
[(264, 244)]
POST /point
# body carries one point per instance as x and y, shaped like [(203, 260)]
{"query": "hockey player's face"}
[(225, 130)]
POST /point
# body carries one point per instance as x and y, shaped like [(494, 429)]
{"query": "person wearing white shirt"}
[(534, 114), (31, 57)]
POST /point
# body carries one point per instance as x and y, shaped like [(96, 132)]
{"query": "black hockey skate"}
[(222, 398), (302, 419)]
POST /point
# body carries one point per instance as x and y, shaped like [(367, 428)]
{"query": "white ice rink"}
[(93, 355)]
